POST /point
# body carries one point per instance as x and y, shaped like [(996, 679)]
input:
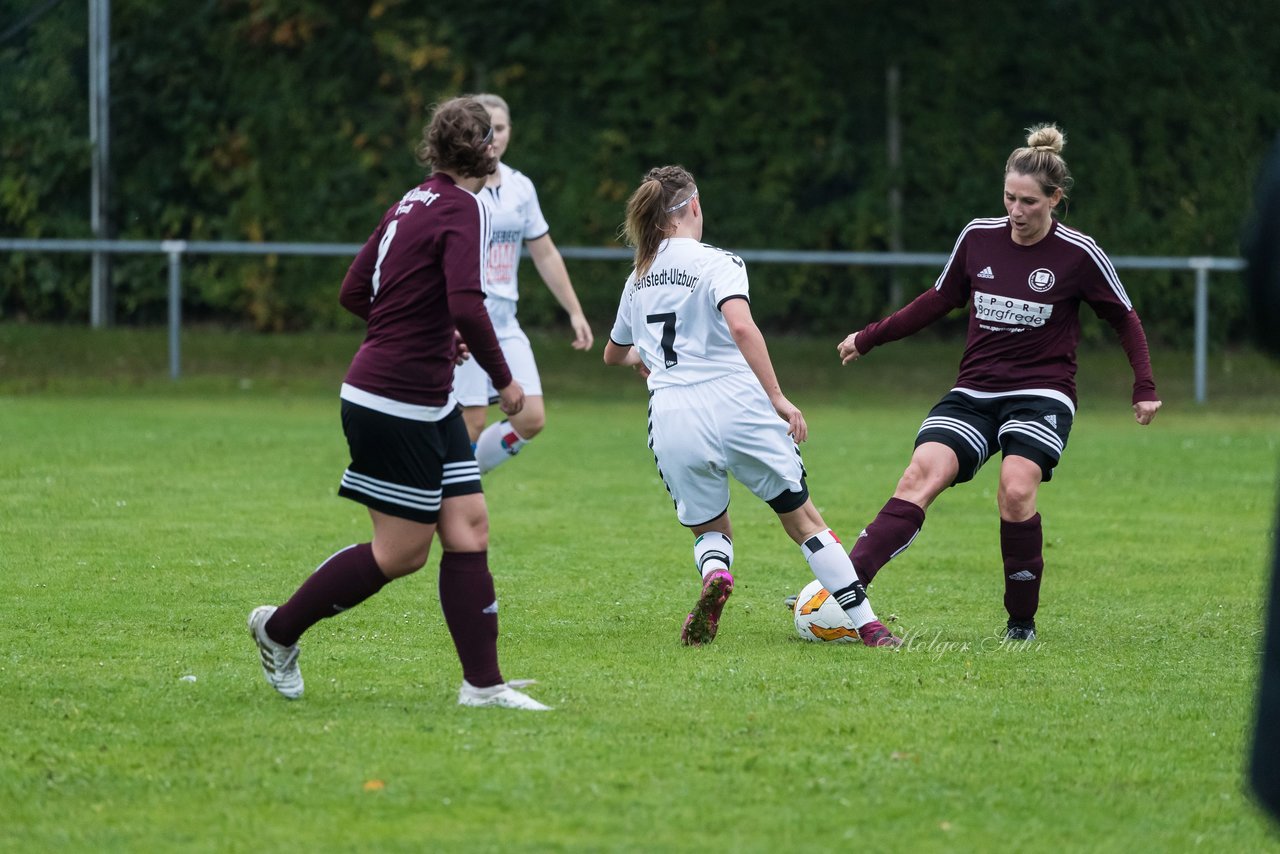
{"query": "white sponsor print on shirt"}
[(417, 194), (1009, 310)]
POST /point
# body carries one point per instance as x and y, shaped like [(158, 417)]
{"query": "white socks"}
[(831, 565), (712, 551), (498, 443)]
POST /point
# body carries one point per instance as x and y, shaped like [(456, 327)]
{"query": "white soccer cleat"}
[(279, 662), (503, 695)]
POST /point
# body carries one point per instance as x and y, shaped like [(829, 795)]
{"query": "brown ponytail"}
[(648, 211)]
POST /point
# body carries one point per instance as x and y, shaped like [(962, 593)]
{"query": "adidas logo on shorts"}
[(1053, 420)]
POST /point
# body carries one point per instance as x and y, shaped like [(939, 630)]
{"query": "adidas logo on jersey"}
[(986, 273), (1022, 575), (1053, 421)]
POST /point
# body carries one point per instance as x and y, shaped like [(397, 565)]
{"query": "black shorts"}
[(1025, 425), (404, 467)]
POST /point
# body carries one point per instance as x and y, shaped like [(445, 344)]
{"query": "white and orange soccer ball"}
[(820, 618)]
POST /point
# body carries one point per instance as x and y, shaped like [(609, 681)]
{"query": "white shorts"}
[(472, 386), (701, 434)]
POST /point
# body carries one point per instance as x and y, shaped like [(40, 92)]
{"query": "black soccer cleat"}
[(1021, 630)]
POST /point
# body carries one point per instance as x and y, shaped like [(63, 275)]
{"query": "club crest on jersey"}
[(1041, 280)]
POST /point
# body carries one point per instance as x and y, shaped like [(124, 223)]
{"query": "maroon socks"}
[(352, 576), (888, 535), (471, 612), (343, 581), (1022, 545)]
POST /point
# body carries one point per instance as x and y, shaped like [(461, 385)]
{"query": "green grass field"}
[(140, 521)]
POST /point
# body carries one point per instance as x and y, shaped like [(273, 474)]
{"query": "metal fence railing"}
[(176, 249)]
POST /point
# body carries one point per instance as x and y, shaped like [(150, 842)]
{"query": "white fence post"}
[(175, 248), (1202, 326)]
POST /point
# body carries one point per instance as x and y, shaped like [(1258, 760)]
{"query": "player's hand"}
[(790, 413), (642, 369), (461, 352), (582, 337), (511, 398), (848, 349), (1145, 410)]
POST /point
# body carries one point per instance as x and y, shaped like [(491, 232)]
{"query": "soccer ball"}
[(820, 618)]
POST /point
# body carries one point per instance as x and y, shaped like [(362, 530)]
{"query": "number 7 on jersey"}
[(668, 321)]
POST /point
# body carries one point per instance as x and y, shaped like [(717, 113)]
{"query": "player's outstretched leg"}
[(831, 565), (887, 536), (279, 662)]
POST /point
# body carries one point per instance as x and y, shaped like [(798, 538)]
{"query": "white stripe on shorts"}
[(392, 493), (460, 472), (1046, 434), (1038, 433), (965, 431)]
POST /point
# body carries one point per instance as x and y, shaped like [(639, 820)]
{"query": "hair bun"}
[(1047, 137)]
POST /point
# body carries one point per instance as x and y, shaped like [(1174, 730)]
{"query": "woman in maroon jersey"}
[(1024, 276), (418, 284)]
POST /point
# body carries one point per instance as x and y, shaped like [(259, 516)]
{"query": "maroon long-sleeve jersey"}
[(417, 279), (1024, 320)]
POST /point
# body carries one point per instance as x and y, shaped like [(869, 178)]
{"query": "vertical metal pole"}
[(893, 135), (1202, 328), (175, 249), (101, 301)]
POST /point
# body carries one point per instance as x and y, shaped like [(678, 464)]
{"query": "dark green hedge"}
[(296, 120)]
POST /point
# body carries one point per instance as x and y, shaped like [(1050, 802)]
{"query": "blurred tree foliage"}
[(296, 120)]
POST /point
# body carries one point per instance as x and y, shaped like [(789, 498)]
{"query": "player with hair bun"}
[(418, 283), (715, 406), (1024, 276)]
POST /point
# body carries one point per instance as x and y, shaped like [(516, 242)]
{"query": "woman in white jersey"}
[(1024, 276), (516, 220), (715, 406)]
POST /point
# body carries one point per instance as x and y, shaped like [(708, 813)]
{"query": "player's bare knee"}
[(471, 537), (920, 484), (1016, 499)]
